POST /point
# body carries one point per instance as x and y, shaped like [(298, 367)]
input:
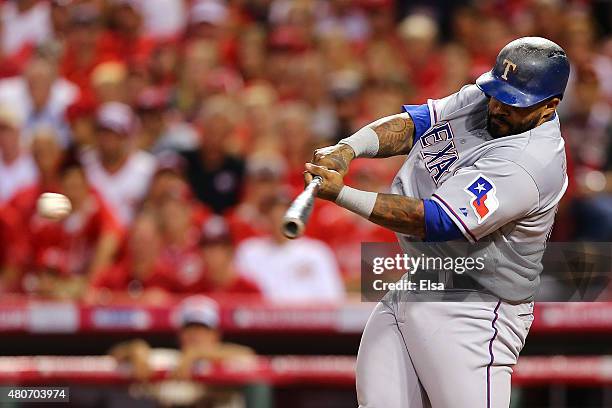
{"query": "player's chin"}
[(497, 128)]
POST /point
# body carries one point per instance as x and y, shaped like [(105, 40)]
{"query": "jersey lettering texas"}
[(440, 161)]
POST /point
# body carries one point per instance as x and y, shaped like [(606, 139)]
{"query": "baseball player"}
[(487, 165)]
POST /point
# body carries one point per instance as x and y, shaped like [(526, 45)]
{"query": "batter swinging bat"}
[(296, 217)]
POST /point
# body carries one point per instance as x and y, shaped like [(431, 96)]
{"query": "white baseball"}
[(53, 206)]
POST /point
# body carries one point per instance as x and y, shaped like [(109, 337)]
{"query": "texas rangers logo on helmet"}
[(483, 202), (508, 66)]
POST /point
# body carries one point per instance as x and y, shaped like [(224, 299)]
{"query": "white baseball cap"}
[(116, 116), (213, 12), (199, 309)]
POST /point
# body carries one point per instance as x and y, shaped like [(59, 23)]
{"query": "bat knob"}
[(292, 228)]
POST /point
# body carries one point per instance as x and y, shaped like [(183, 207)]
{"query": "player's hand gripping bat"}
[(296, 217)]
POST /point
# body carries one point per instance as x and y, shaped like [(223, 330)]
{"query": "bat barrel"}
[(296, 217)]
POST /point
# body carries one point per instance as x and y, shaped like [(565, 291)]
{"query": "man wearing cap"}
[(199, 338), (485, 166), (217, 249), (207, 18), (120, 173)]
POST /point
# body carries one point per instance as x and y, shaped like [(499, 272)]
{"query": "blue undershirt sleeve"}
[(438, 225), (421, 118)]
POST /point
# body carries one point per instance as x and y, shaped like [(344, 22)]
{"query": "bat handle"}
[(316, 181), (294, 221)]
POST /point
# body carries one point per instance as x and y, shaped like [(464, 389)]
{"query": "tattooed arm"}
[(405, 215), (395, 135)]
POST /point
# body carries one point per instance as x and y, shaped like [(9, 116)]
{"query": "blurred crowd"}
[(179, 129)]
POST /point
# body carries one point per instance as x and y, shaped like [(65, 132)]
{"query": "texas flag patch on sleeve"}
[(483, 200)]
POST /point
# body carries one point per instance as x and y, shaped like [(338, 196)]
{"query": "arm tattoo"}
[(405, 215), (395, 135)]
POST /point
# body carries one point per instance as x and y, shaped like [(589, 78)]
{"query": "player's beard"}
[(501, 127)]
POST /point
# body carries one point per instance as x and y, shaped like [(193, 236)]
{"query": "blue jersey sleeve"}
[(438, 225), (421, 118)]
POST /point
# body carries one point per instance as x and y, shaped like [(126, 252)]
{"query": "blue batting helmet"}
[(527, 71)]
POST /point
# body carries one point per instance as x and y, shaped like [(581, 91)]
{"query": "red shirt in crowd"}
[(14, 249), (239, 285), (246, 222), (68, 245), (121, 276)]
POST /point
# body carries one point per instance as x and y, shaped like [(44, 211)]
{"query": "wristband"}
[(364, 142), (358, 201)]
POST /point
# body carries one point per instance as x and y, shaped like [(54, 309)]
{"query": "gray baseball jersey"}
[(503, 191)]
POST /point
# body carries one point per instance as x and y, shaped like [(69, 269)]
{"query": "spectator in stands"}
[(301, 270), (60, 18), (40, 97), (151, 105), (207, 20), (297, 142), (216, 176), (91, 231), (258, 128), (140, 273), (423, 62), (169, 181), (124, 37), (48, 158), (180, 232), (17, 169), (252, 53), (49, 96), (199, 59), (67, 253), (163, 68), (81, 117), (199, 339), (457, 70), (159, 132), (109, 82), (118, 172), (222, 276), (25, 24), (82, 47), (381, 18), (283, 65)]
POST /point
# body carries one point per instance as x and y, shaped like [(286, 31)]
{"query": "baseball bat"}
[(296, 217)]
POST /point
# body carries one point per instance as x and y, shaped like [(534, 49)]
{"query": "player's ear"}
[(549, 108)]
